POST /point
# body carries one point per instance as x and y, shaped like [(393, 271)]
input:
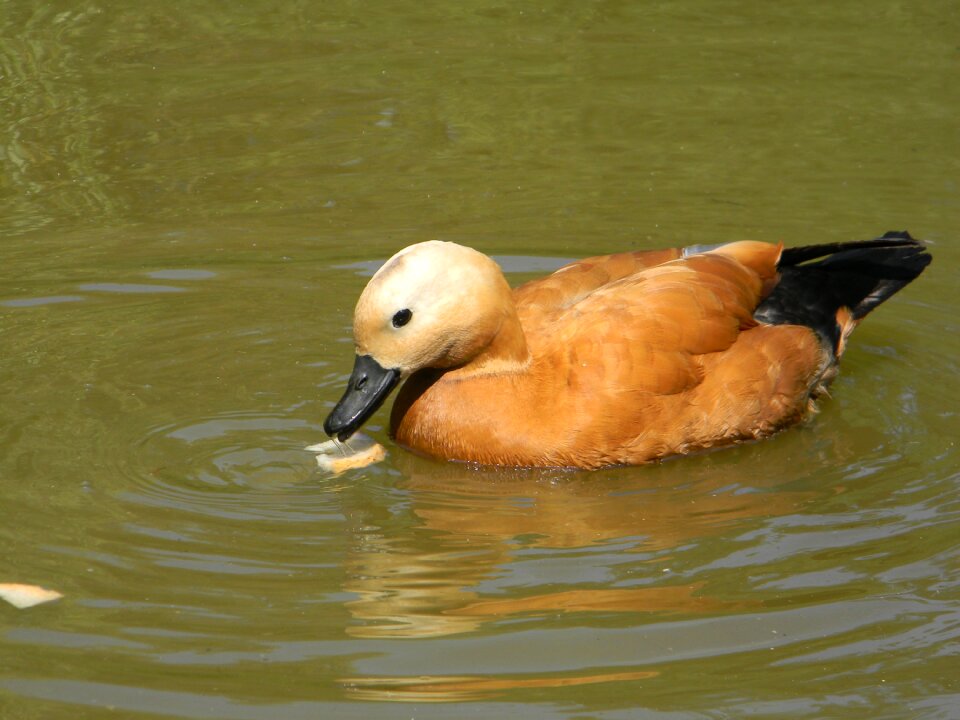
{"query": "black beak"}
[(367, 388)]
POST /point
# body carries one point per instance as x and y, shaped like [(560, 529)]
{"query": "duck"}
[(620, 359)]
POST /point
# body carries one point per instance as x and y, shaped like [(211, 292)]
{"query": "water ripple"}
[(232, 465)]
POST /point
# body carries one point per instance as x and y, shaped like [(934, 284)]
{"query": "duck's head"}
[(432, 305)]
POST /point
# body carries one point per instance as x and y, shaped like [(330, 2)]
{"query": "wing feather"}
[(644, 332)]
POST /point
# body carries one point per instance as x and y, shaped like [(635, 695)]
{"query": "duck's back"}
[(669, 359), (539, 298), (640, 327)]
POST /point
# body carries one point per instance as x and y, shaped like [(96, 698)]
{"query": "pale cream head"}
[(457, 300)]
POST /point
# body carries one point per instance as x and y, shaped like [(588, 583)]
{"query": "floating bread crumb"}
[(357, 452), (24, 596)]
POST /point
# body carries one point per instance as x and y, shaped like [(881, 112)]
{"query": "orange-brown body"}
[(632, 357), (617, 359)]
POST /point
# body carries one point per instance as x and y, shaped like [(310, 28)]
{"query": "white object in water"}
[(356, 452), (24, 596)]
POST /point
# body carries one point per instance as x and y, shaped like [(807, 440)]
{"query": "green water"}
[(191, 197)]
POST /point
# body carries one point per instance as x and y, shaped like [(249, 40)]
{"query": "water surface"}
[(193, 197)]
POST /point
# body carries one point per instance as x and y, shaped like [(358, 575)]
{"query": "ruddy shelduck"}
[(617, 359)]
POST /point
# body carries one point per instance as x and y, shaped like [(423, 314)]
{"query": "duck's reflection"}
[(455, 688), (448, 550), (433, 558)]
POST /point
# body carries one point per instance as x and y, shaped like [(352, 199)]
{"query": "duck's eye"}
[(402, 317)]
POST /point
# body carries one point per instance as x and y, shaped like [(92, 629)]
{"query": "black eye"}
[(402, 317)]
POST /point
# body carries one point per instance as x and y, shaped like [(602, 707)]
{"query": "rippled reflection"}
[(462, 688), (469, 525)]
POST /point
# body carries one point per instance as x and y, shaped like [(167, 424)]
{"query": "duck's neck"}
[(507, 353)]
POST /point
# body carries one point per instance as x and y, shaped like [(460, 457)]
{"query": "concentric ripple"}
[(234, 465)]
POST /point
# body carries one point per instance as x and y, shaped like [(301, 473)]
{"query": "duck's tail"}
[(846, 282)]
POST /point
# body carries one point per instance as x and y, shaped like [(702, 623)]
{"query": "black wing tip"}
[(858, 275), (890, 239), (901, 234)]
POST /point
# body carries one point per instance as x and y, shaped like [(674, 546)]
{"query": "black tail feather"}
[(893, 238), (854, 275)]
